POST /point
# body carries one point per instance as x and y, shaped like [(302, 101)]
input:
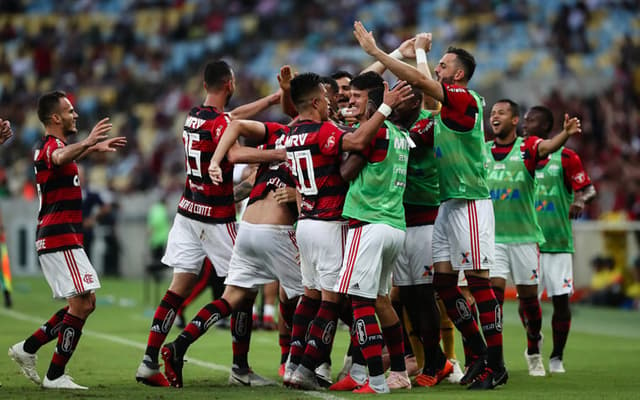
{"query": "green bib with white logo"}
[(552, 206), (422, 174), (513, 192), (461, 159), (375, 196)]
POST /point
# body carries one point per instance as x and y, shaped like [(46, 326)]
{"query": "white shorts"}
[(69, 273), (520, 261), (190, 241), (322, 245), (464, 234), (371, 253), (414, 265), (556, 274), (265, 253)]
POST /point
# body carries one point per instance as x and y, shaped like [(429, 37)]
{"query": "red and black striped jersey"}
[(314, 157), (202, 200), (275, 175), (60, 211)]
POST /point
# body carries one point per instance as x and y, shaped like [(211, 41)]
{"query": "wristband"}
[(396, 54), (421, 56), (385, 110)]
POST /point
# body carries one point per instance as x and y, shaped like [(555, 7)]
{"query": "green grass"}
[(602, 355)]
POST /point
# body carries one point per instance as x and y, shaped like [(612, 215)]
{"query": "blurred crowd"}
[(139, 62)]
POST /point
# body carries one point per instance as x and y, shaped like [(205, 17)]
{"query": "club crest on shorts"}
[(88, 278)]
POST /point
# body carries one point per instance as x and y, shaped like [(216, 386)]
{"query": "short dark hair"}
[(466, 59), (49, 103), (217, 73), (513, 106), (547, 117), (367, 81), (341, 74), (327, 80), (302, 85)]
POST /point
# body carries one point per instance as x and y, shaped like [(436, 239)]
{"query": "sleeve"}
[(271, 133), (219, 126), (377, 149), (530, 153), (422, 132), (459, 108), (330, 139), (49, 147), (575, 176)]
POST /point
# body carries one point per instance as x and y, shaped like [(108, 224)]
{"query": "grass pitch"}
[(601, 358)]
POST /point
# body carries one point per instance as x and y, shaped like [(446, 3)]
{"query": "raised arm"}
[(79, 150), (400, 69), (250, 109), (361, 137), (570, 127), (422, 47), (284, 79), (405, 50)]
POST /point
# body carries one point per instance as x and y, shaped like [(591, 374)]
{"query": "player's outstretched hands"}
[(423, 41), (215, 172), (284, 77), (571, 125), (111, 144), (395, 96), (365, 38), (5, 130), (99, 132)]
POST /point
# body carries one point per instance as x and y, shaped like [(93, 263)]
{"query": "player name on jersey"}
[(195, 208)]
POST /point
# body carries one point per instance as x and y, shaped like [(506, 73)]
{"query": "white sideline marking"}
[(120, 340)]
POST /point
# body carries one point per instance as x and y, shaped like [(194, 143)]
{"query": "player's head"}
[(406, 113), (456, 66), (343, 79), (56, 112), (538, 121), (332, 88), (505, 115), (365, 87), (219, 77), (309, 96)]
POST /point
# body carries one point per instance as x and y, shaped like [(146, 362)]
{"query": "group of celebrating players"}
[(372, 202)]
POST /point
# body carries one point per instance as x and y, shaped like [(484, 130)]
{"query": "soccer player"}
[(376, 234), (343, 79), (314, 150), (413, 272), (563, 189), (511, 181), (204, 225), (5, 130), (265, 249), (64, 263), (463, 235)]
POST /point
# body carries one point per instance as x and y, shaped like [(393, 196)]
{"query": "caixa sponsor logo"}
[(545, 206)]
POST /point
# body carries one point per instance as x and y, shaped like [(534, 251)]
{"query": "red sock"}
[(241, 326), (490, 319), (304, 314), (68, 338), (207, 316), (459, 311), (533, 315), (321, 333), (285, 322), (368, 333), (46, 332), (162, 323)]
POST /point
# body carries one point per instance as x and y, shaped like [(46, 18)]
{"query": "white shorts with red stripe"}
[(321, 250), (464, 234), (414, 265), (556, 274), (69, 273), (264, 253), (520, 261), (371, 254), (190, 241)]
